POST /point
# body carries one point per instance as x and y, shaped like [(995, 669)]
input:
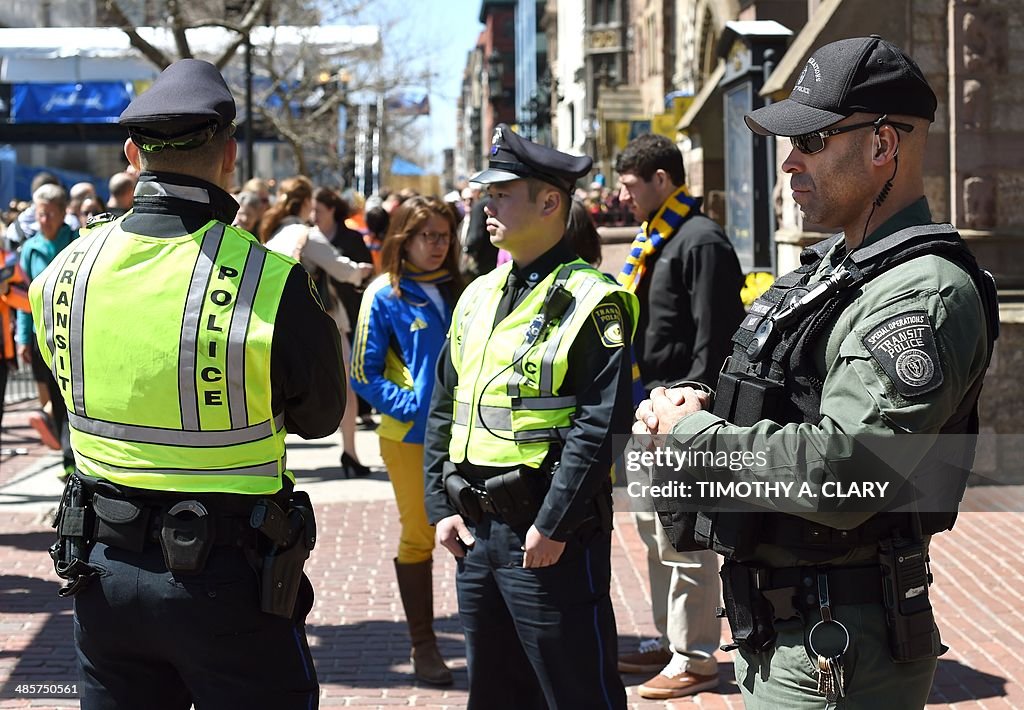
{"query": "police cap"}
[(514, 158), (861, 74), (183, 109)]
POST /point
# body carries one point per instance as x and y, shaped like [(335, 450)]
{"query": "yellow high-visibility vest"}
[(509, 406), (161, 347)]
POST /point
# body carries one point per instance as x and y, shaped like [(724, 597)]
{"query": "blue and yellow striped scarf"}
[(654, 234), (437, 276)]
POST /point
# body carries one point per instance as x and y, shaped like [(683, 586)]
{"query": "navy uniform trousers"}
[(538, 638), (148, 639)]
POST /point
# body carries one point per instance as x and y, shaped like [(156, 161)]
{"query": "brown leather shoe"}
[(675, 681), (648, 658)]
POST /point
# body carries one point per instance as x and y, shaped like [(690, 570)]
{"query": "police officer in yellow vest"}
[(185, 352), (532, 383)]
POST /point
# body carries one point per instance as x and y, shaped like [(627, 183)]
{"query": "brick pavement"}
[(356, 626)]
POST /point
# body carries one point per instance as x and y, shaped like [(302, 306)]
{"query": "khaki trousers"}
[(685, 591)]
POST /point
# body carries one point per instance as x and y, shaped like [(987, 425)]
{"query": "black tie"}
[(514, 289)]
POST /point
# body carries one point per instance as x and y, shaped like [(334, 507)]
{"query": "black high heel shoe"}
[(351, 467)]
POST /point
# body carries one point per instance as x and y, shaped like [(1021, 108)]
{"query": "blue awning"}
[(89, 102)]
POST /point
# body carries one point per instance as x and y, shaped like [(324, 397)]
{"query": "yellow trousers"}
[(405, 469)]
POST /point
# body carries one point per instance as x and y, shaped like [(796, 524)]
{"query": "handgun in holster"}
[(905, 579), (291, 536), (750, 614)]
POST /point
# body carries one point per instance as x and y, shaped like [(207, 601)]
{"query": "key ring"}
[(810, 638)]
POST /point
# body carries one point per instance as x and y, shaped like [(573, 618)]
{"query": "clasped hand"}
[(660, 413)]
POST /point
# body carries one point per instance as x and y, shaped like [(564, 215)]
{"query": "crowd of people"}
[(502, 363)]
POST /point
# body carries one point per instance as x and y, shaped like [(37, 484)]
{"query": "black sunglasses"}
[(811, 143)]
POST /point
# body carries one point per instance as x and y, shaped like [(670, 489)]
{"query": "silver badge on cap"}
[(495, 140)]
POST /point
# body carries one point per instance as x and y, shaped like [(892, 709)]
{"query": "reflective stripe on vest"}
[(161, 347), (508, 409)]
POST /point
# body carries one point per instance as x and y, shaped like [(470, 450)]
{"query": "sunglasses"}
[(811, 143)]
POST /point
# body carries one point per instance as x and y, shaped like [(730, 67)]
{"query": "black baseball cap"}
[(861, 74), (185, 106), (514, 158)]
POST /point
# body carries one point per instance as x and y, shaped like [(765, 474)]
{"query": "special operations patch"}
[(904, 345), (608, 319)]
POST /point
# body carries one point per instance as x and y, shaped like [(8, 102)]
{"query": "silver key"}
[(838, 679), (826, 677)]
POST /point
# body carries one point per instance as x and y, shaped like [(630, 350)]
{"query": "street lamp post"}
[(249, 168)]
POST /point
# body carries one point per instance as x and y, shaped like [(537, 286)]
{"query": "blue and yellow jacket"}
[(397, 343)]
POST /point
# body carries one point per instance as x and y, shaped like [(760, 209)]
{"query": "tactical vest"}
[(771, 374), (161, 348), (509, 406)]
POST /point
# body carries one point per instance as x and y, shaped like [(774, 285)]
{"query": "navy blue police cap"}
[(514, 158), (857, 75), (183, 109)]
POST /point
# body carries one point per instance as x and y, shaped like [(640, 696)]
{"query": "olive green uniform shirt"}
[(859, 397)]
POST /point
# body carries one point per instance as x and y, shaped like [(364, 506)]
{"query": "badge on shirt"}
[(418, 324), (904, 345), (608, 320)]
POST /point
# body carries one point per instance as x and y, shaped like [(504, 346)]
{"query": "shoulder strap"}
[(898, 241)]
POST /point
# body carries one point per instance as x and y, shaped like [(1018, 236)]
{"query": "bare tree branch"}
[(256, 11), (161, 60), (178, 30)]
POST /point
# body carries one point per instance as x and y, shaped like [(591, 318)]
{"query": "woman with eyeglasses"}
[(402, 326)]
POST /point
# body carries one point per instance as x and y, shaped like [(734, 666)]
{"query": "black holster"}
[(913, 634), (289, 537), (749, 612), (516, 495), (74, 524), (463, 497)]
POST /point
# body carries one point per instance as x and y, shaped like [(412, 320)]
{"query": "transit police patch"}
[(904, 345), (608, 319)]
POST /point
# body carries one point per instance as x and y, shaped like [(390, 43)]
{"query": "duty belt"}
[(799, 586), (131, 524)]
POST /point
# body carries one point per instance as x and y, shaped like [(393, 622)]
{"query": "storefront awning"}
[(705, 93)]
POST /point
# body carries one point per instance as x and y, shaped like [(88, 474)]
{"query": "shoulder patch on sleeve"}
[(608, 321), (904, 345)]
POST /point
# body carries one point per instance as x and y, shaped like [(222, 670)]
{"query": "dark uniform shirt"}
[(306, 371), (859, 398), (600, 378)]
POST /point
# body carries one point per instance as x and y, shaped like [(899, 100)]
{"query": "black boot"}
[(415, 584)]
